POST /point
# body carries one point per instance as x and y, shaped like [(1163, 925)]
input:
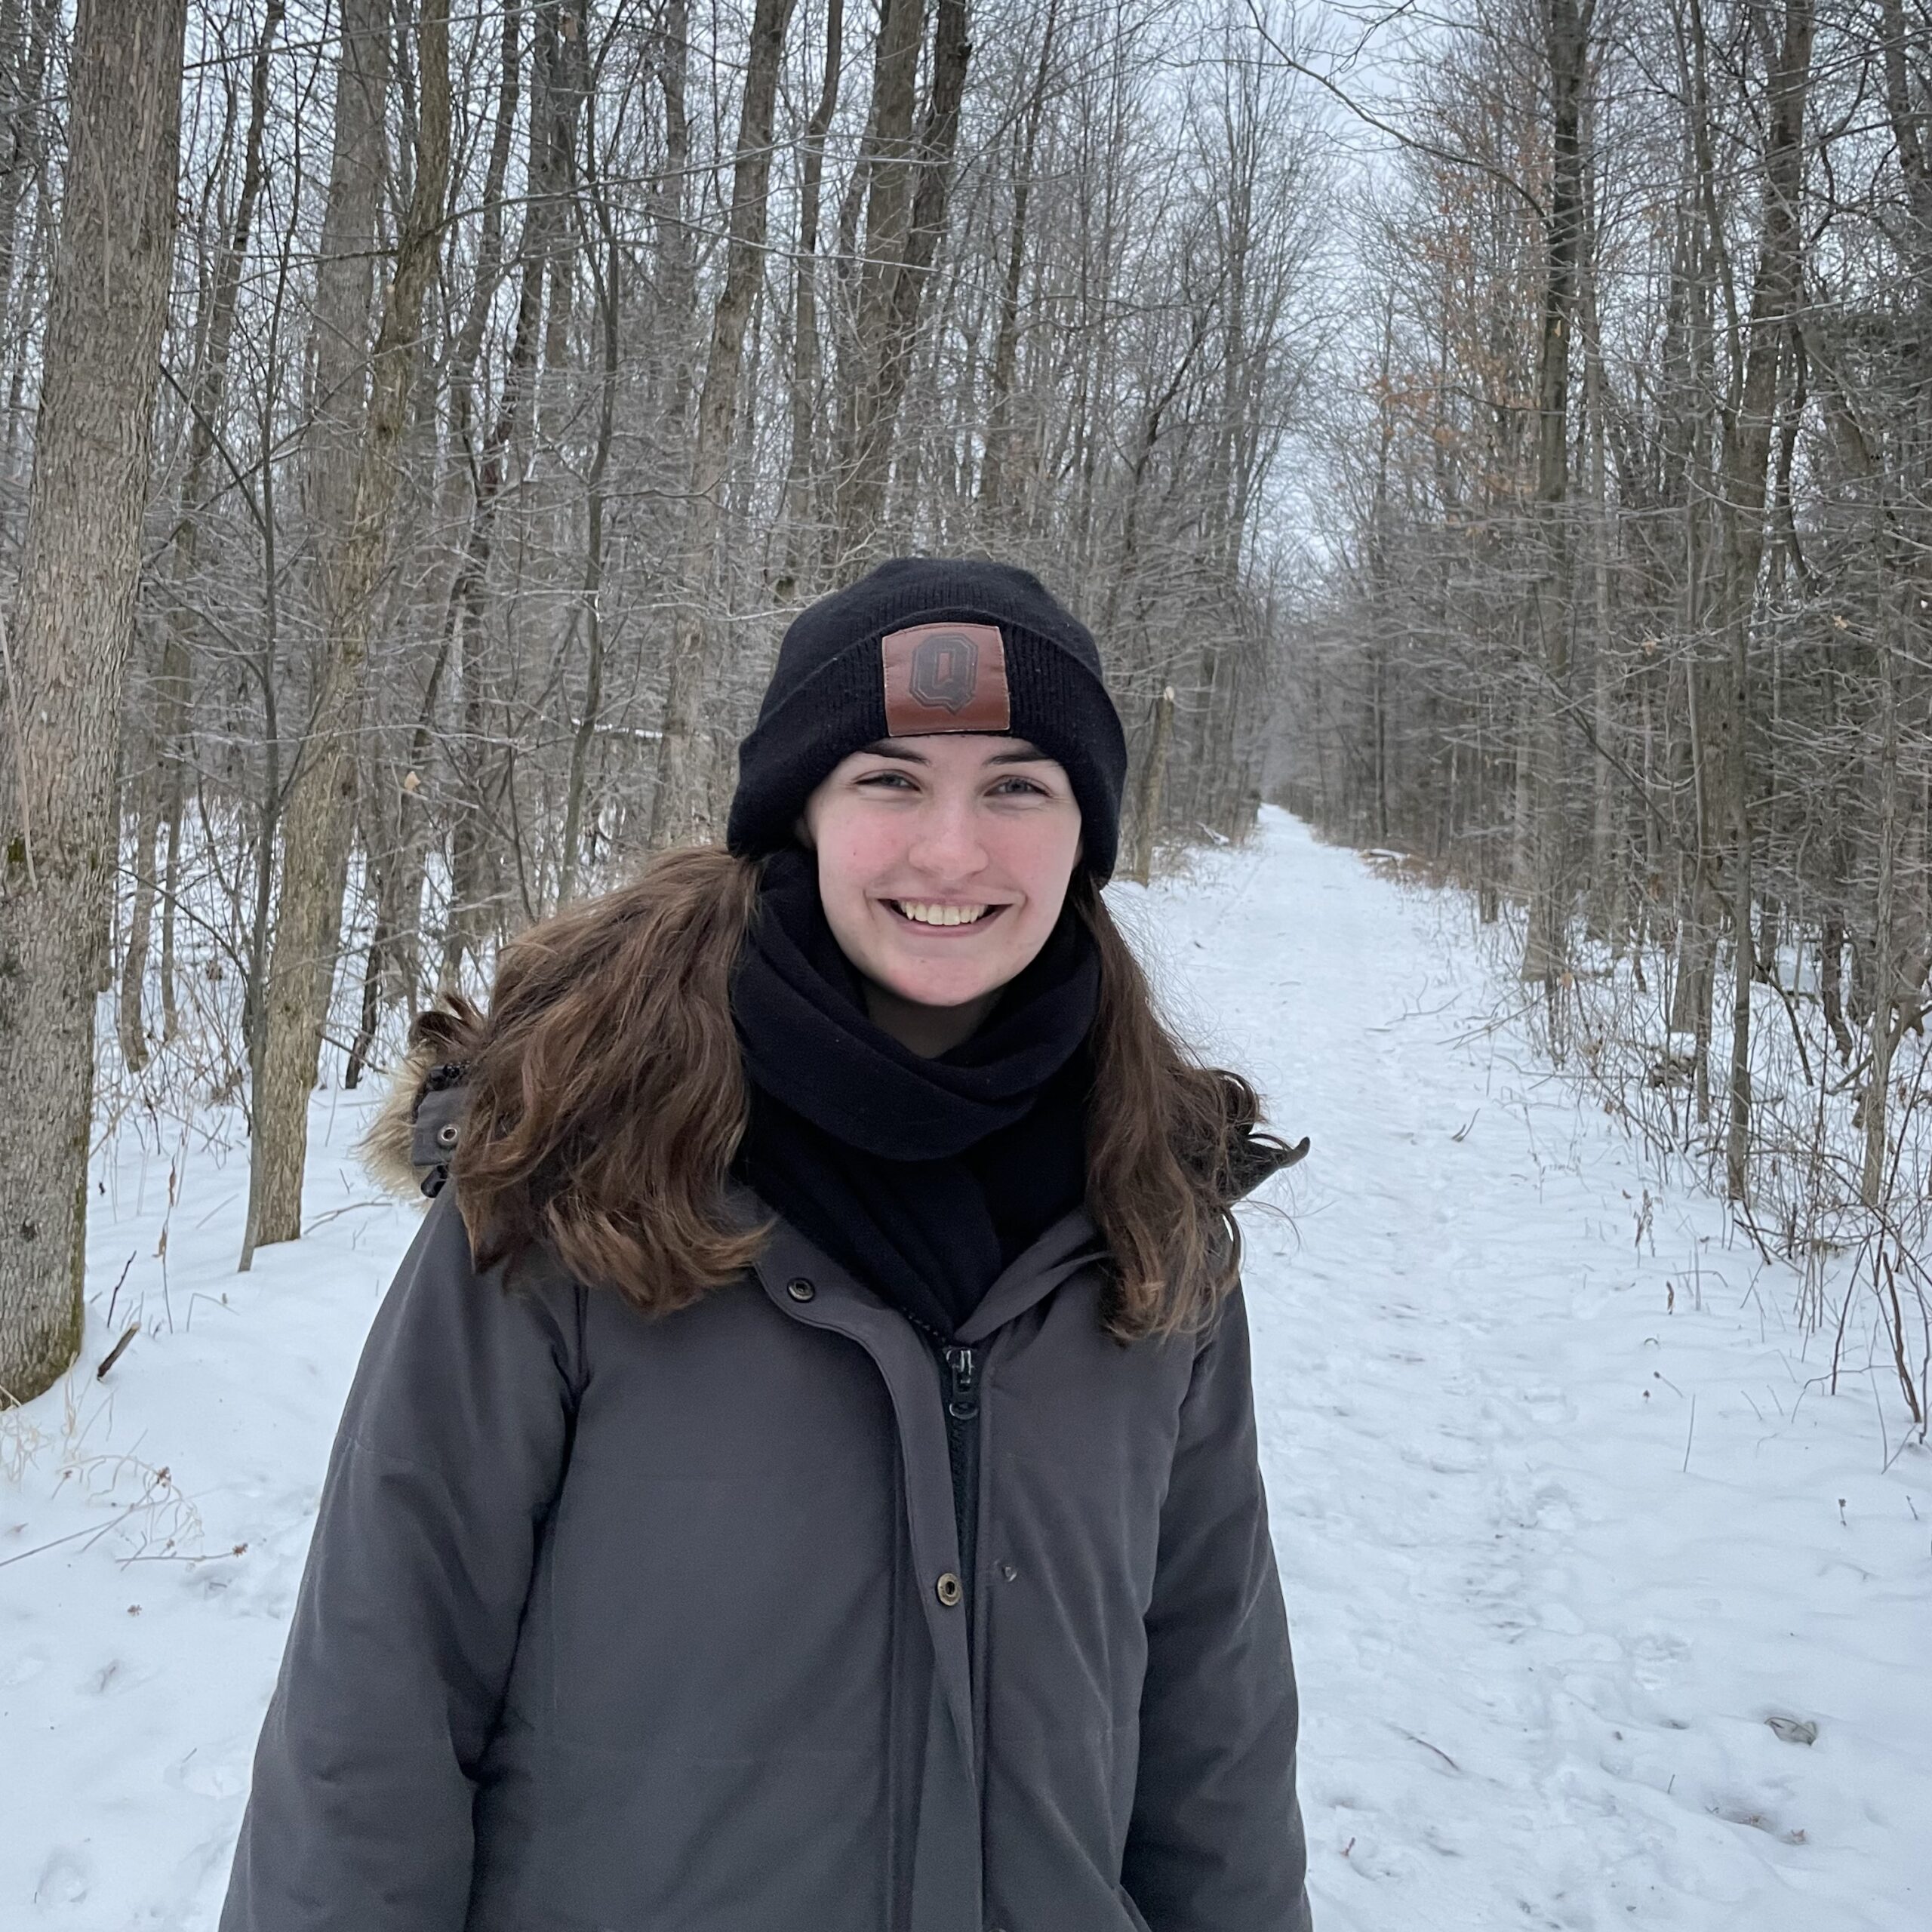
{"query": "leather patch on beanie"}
[(945, 677)]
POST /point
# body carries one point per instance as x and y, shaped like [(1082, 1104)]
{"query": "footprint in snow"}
[(64, 1879)]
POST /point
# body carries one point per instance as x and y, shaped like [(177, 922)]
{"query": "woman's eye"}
[(1020, 788), (887, 780)]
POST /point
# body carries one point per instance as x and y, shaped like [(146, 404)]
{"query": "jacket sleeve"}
[(1216, 1838), (450, 1454)]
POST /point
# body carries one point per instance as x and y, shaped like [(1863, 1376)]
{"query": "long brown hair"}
[(606, 1100)]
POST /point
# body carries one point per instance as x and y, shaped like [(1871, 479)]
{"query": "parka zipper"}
[(962, 1442), (959, 1386)]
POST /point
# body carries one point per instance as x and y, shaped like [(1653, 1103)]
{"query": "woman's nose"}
[(947, 845)]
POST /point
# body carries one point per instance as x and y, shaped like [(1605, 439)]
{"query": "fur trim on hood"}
[(408, 1147)]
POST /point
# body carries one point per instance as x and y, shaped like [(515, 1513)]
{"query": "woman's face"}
[(943, 864)]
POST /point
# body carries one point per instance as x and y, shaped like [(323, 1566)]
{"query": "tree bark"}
[(396, 949), (1747, 449), (903, 225), (801, 506), (995, 472), (1874, 1106), (609, 283), (59, 740), (1567, 30), (676, 251), (24, 109), (162, 795), (1153, 782), (336, 416), (680, 804), (317, 815), (552, 134)]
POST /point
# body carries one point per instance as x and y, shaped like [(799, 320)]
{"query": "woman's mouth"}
[(933, 914)]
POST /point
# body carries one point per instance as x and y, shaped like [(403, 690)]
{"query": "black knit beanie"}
[(919, 645)]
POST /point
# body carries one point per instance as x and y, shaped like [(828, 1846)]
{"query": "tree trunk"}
[(903, 224), (995, 473), (317, 816), (399, 967), (1153, 780), (60, 739), (473, 887), (679, 805), (1874, 1104), (1831, 980), (1748, 432), (29, 35), (676, 250), (1567, 29), (162, 795), (1607, 867), (801, 508), (609, 284), (337, 404)]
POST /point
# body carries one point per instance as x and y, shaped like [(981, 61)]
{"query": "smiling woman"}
[(943, 864), (852, 1519)]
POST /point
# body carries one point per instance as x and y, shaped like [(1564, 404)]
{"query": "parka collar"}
[(1069, 1245)]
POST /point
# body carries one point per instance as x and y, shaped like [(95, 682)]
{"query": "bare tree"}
[(1749, 420), (678, 807), (63, 677), (162, 794), (908, 175), (317, 814)]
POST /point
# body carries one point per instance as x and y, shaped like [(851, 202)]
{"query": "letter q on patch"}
[(945, 677)]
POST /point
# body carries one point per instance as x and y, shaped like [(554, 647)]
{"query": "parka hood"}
[(1256, 1158), (409, 1144)]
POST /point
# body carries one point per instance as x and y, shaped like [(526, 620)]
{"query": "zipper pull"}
[(963, 1397)]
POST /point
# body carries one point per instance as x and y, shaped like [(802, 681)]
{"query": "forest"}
[(1622, 617), (1501, 436)]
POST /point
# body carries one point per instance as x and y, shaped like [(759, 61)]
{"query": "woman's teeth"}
[(940, 915)]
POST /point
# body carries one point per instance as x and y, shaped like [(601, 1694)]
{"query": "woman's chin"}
[(942, 990)]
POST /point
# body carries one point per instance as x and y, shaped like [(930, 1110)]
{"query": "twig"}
[(114, 1354), (348, 1207), (96, 1531), (1427, 1746), (1741, 1215), (112, 1299), (1398, 135), (218, 1208)]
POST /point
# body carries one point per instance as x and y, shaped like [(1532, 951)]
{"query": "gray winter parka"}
[(620, 1625)]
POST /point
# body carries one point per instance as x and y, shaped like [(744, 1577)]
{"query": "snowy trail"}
[(1542, 1609), (1537, 1652)]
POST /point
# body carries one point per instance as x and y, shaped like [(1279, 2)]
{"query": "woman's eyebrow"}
[(1021, 754)]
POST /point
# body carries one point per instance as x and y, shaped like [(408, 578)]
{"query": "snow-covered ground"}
[(1565, 1515)]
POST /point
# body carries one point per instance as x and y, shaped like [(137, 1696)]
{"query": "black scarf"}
[(926, 1177)]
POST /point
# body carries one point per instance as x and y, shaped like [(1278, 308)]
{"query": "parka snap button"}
[(948, 1587), (446, 1134), (799, 1289), (1006, 1570)]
